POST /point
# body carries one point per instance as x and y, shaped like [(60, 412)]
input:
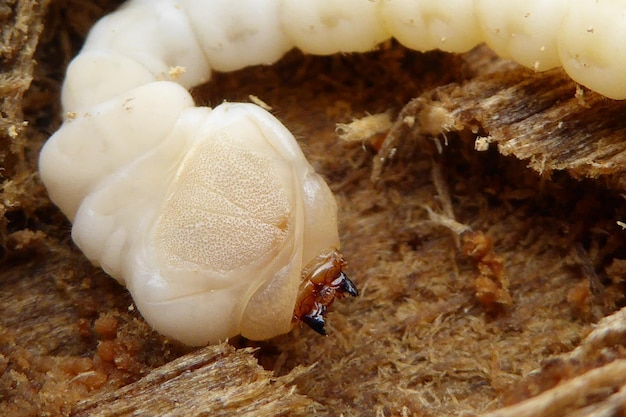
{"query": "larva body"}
[(210, 216)]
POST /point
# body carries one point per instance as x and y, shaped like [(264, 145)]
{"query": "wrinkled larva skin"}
[(210, 216)]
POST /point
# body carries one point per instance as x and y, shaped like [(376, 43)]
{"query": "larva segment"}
[(320, 237), (91, 145), (112, 219), (105, 76), (525, 31), (234, 35), (592, 45), (157, 35), (324, 27), (449, 25)]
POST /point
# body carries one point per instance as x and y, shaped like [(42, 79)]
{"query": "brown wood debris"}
[(547, 249), (543, 118), (216, 381)]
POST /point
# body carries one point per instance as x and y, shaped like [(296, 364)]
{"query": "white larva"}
[(213, 218)]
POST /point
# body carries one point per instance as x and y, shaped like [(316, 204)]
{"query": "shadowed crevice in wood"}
[(541, 118)]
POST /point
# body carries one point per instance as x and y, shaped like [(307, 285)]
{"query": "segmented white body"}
[(208, 216)]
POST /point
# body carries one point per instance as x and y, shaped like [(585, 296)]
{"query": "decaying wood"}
[(543, 118), (597, 391), (421, 340), (21, 24), (559, 401), (214, 381)]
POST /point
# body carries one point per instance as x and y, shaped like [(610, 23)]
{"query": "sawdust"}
[(439, 328)]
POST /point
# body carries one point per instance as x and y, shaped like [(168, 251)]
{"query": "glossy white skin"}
[(525, 31), (449, 25), (592, 48), (121, 165), (209, 229)]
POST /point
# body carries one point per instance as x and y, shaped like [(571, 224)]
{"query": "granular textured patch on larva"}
[(188, 233), (417, 341)]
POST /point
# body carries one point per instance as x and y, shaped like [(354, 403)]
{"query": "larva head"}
[(223, 249), (323, 280)]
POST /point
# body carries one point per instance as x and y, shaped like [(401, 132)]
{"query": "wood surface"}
[(491, 280)]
